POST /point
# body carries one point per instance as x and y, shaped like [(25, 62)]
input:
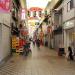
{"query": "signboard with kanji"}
[(4, 5)]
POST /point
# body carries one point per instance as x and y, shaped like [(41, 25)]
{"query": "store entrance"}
[(70, 38)]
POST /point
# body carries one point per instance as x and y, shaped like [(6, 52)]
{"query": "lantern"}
[(39, 13), (29, 13), (34, 13)]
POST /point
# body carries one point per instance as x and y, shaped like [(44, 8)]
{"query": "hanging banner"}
[(49, 29), (23, 14), (4, 5)]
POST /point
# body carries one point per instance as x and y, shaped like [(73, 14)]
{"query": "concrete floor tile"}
[(41, 62)]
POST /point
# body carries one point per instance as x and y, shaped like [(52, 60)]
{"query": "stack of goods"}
[(15, 43)]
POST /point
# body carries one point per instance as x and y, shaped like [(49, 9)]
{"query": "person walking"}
[(34, 42), (38, 43), (70, 53)]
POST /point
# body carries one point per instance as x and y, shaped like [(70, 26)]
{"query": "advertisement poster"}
[(4, 6)]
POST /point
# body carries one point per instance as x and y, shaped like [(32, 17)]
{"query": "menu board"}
[(4, 5)]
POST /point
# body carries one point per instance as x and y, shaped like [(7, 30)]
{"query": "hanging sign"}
[(4, 5), (23, 14), (49, 29)]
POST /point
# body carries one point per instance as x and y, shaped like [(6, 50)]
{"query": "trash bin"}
[(61, 51)]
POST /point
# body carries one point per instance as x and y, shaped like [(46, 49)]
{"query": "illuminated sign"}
[(69, 24), (4, 5)]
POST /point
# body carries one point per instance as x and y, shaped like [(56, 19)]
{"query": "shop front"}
[(58, 38), (69, 34)]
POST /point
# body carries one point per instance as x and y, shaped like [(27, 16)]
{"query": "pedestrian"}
[(38, 43), (70, 53), (33, 41)]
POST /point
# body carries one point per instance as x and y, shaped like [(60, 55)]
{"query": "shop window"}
[(70, 5)]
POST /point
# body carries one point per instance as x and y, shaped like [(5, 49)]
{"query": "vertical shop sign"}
[(23, 14), (49, 29), (4, 5)]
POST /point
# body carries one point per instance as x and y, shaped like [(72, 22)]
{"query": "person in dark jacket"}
[(70, 53), (38, 42)]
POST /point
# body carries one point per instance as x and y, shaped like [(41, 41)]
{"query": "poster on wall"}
[(5, 6)]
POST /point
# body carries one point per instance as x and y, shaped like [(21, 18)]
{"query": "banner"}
[(23, 14), (4, 5)]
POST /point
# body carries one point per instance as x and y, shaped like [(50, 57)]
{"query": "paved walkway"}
[(42, 61)]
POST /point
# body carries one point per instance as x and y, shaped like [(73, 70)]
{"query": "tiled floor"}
[(42, 61)]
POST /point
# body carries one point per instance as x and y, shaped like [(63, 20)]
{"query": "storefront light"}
[(69, 24)]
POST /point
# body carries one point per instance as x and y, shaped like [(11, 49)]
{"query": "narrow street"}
[(49, 23), (41, 61)]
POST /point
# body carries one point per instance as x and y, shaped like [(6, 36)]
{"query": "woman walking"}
[(70, 53)]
